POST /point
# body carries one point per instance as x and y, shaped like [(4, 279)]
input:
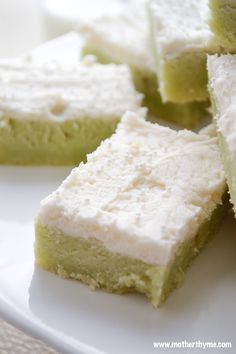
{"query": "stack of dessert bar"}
[(145, 198)]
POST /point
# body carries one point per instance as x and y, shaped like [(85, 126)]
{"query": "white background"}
[(20, 26)]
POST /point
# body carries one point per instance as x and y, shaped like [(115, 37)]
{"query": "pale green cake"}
[(102, 38), (137, 224), (89, 261), (51, 143), (222, 87), (223, 21), (55, 113), (182, 35)]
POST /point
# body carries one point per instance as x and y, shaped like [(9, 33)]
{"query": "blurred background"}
[(20, 26), (26, 23)]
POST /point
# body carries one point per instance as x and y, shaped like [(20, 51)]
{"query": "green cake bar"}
[(137, 224), (182, 33), (55, 113), (222, 87), (223, 21), (102, 38)]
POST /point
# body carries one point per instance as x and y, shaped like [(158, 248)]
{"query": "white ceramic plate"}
[(73, 319)]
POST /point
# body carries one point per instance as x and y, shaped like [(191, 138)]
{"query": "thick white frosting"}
[(142, 192), (180, 26), (58, 92), (222, 82), (122, 36)]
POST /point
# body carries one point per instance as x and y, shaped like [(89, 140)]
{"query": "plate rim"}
[(12, 315)]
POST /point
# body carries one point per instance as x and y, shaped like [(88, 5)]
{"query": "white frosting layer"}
[(180, 26), (122, 37), (65, 49), (222, 82), (142, 192), (58, 92)]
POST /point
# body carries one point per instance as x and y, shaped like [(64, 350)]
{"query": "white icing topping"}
[(222, 82), (180, 26), (122, 37), (58, 92), (142, 192)]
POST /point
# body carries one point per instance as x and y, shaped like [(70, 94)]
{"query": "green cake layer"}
[(185, 78), (24, 142), (89, 261), (187, 115), (223, 21)]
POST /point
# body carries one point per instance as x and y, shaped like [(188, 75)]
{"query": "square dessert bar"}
[(134, 216), (222, 87), (55, 113), (182, 33), (124, 38)]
